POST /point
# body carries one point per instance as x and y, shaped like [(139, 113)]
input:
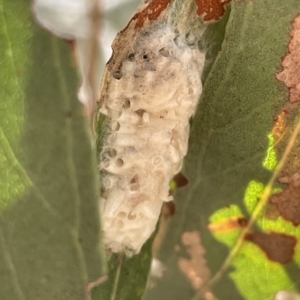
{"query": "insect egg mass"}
[(150, 89)]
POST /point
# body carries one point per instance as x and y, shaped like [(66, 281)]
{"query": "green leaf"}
[(127, 277), (49, 220), (231, 159)]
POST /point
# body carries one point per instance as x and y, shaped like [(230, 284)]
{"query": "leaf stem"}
[(117, 278)]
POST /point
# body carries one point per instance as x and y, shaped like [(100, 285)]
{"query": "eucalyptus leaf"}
[(49, 221)]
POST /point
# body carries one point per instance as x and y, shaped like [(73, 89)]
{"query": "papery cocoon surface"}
[(150, 90)]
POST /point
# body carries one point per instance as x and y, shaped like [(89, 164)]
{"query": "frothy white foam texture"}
[(150, 92)]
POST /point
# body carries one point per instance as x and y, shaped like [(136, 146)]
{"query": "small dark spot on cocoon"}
[(126, 103), (164, 52), (104, 193), (145, 56), (112, 152), (140, 112), (134, 186), (130, 57), (134, 179), (119, 162), (117, 75), (108, 153), (122, 214), (106, 163), (131, 217)]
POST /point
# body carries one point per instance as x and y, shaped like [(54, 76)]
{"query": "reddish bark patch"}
[(288, 201), (278, 247), (290, 75), (211, 10), (151, 12)]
